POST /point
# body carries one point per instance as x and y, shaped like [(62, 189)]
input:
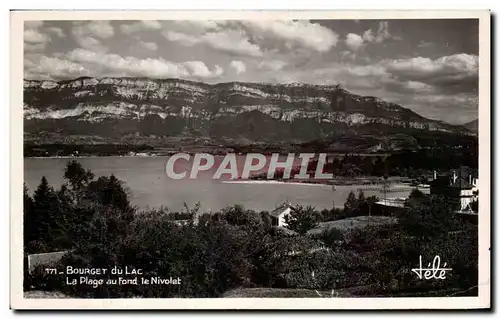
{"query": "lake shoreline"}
[(150, 186), (91, 156), (360, 181), (268, 182), (327, 183)]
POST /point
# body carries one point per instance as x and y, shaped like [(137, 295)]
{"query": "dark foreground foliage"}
[(93, 220)]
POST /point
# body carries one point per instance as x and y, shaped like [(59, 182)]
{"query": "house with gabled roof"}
[(278, 215), (45, 259)]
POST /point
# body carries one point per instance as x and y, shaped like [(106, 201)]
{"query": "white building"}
[(462, 183), (45, 259), (278, 215), (469, 195)]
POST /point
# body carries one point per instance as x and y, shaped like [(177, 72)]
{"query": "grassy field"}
[(353, 222)]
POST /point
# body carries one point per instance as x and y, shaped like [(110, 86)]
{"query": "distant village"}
[(457, 185)]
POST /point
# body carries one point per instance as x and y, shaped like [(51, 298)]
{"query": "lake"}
[(150, 186)]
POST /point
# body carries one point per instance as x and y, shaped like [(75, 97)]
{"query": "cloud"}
[(452, 100), (346, 55), (149, 45), (91, 43), (260, 50), (231, 41), (54, 68), (453, 73), (140, 25), (238, 66), (383, 31), (302, 33), (33, 24), (252, 37), (354, 41), (56, 31), (418, 86), (197, 26), (443, 88), (199, 69), (368, 36), (452, 64), (424, 44), (407, 88), (101, 29), (381, 35), (34, 47), (366, 70), (81, 62), (455, 108), (34, 36), (89, 34), (274, 65), (34, 40)]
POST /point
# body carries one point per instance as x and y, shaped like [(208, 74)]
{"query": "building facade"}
[(278, 215), (389, 207), (460, 185)]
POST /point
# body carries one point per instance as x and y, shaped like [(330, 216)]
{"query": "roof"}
[(392, 202), (280, 210), (45, 259)]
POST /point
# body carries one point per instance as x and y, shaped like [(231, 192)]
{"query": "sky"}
[(429, 66)]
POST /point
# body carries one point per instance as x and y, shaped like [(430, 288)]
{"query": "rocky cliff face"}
[(171, 107)]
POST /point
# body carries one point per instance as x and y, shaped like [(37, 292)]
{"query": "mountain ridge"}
[(255, 112), (472, 126)]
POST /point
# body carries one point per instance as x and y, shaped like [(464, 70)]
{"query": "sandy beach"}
[(275, 182)]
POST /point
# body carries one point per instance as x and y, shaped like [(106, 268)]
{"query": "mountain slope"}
[(472, 126), (120, 108)]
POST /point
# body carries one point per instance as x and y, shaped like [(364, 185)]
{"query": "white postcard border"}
[(16, 172)]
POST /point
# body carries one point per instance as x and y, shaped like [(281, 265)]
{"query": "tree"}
[(67, 216), (416, 194), (331, 236), (370, 201), (110, 191), (367, 164), (27, 200), (27, 217), (350, 205), (77, 176), (429, 217), (301, 219), (45, 223), (379, 167), (237, 215), (361, 197), (266, 219)]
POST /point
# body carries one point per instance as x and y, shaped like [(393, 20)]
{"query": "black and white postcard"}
[(250, 160)]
